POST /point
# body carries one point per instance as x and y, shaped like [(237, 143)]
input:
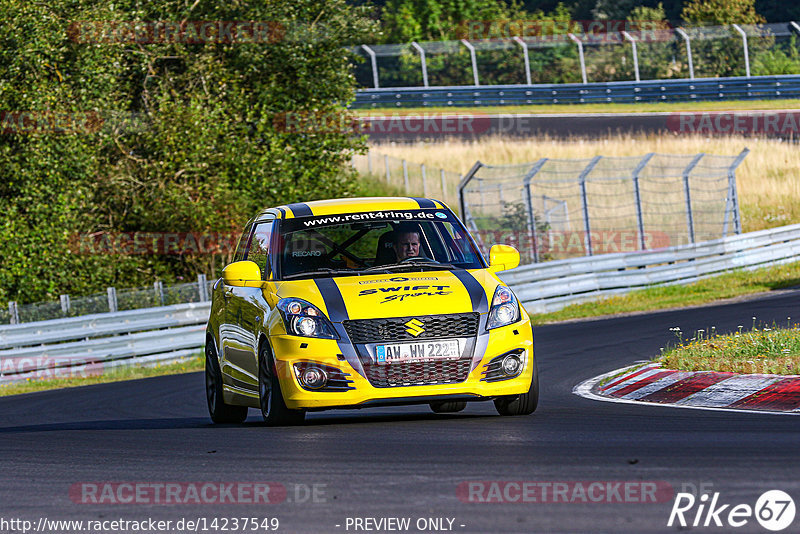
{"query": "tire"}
[(217, 409), (273, 407), (524, 404), (448, 406)]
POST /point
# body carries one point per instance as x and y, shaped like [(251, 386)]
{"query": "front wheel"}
[(273, 407), (217, 409), (524, 404)]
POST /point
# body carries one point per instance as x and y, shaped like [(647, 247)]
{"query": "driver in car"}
[(406, 244)]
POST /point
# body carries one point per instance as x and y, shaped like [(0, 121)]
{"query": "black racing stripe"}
[(337, 312), (476, 292), (423, 202), (300, 209)]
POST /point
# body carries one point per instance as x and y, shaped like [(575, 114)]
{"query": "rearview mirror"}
[(242, 274), (503, 258)]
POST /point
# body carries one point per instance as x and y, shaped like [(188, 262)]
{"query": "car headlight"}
[(304, 319), (504, 310)]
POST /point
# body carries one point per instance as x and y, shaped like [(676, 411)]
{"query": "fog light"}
[(511, 364), (314, 378)]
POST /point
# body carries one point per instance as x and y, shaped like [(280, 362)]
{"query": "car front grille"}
[(396, 329), (418, 373)]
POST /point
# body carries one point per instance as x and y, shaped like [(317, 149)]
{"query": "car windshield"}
[(374, 242)]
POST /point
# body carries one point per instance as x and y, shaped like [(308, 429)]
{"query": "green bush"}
[(204, 152)]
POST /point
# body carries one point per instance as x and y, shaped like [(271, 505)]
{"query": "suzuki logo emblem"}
[(414, 327)]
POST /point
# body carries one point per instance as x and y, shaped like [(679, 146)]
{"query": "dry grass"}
[(769, 190)]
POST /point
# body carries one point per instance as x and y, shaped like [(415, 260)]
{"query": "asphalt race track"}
[(408, 462)]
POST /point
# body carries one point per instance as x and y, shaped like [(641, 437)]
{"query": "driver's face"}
[(406, 246)]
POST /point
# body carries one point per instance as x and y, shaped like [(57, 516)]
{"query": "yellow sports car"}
[(354, 303)]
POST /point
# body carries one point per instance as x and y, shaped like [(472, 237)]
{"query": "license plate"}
[(448, 349)]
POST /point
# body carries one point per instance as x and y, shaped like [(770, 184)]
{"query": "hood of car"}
[(396, 295)]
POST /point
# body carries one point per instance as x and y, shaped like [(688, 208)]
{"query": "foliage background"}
[(202, 153)]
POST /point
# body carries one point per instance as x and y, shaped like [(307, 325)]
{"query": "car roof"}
[(349, 205)]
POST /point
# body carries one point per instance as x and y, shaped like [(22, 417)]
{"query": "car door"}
[(247, 309)]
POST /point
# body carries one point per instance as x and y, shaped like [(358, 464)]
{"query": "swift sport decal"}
[(400, 293)]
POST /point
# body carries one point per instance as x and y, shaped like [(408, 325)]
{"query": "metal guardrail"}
[(550, 286), (680, 90), (92, 343)]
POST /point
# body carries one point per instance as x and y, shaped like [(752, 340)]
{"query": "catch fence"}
[(555, 209)]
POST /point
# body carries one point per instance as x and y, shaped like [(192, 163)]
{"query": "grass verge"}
[(643, 107), (766, 350), (118, 374), (734, 284)]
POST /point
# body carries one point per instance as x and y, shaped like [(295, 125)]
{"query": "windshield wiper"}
[(413, 264), (324, 271)]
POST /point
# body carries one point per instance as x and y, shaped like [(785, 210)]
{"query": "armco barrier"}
[(152, 335), (136, 337), (680, 90), (553, 285)]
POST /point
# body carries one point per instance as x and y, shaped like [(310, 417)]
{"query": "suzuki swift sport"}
[(355, 303)]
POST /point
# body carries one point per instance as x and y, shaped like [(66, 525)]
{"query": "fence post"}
[(525, 58), (463, 184), (202, 286), (580, 56), (112, 299), (688, 42), (65, 304), (386, 164), (638, 197), (744, 45), (733, 197), (405, 174), (444, 184), (374, 61), (424, 181), (13, 312), (158, 288), (529, 205), (688, 196), (421, 51), (369, 161), (474, 60), (587, 228), (630, 38)]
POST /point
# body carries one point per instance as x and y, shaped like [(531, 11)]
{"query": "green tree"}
[(206, 148), (721, 12)]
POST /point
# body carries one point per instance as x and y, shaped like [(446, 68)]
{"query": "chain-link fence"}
[(112, 300), (553, 209), (412, 178), (575, 55)]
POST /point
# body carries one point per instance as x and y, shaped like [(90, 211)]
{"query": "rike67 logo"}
[(774, 510)]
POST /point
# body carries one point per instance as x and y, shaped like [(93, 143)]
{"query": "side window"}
[(259, 250), (244, 244)]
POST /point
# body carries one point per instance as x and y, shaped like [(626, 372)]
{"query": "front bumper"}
[(289, 350)]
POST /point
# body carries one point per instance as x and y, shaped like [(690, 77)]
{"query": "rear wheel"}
[(524, 404), (448, 406), (273, 407), (217, 409)]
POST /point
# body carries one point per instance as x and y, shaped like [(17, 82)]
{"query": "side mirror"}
[(242, 274), (503, 258)]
